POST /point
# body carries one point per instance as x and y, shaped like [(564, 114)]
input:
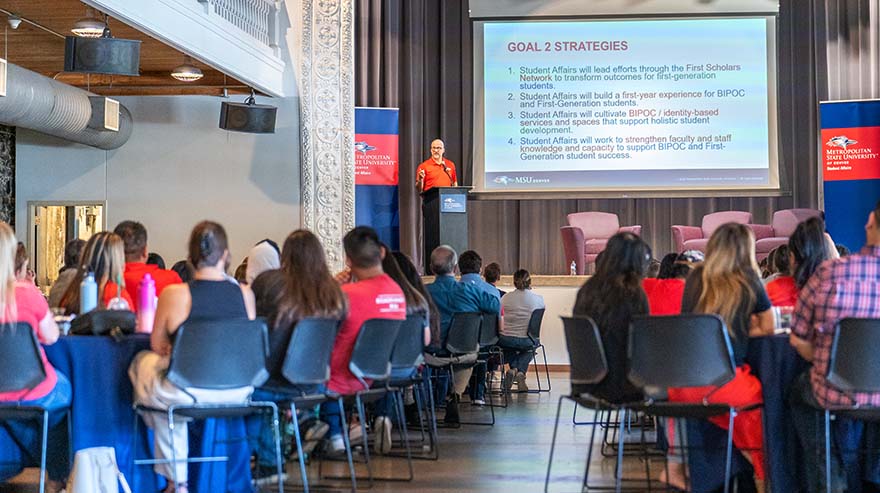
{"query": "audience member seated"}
[(839, 288), (453, 297), (184, 269), (664, 271), (134, 235), (371, 294), (102, 256), (21, 301), (416, 305), (611, 297), (208, 297), (519, 350), (72, 252), (411, 273), (805, 251), (777, 264), (842, 250), (665, 292), (469, 265), (262, 257), (492, 274), (22, 271), (301, 288), (727, 284), (653, 269), (154, 258)]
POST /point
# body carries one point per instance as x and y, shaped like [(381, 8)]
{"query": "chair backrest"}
[(219, 354), (371, 356), (489, 330), (410, 343), (853, 365), (586, 353), (307, 361), (464, 332), (534, 329), (786, 221), (712, 221), (679, 351), (595, 224), (21, 367)]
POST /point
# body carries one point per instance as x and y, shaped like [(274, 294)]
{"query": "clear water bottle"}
[(574, 268), (88, 294)]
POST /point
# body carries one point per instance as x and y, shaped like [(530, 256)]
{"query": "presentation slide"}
[(627, 105)]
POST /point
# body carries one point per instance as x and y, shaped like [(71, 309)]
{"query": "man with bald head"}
[(436, 171), (453, 297)]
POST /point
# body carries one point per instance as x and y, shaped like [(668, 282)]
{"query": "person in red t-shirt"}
[(134, 234), (436, 171), (22, 299), (371, 294), (103, 257)]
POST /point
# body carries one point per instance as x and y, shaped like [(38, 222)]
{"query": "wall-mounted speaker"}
[(248, 117), (102, 56)]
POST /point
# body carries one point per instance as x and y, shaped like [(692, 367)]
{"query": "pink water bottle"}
[(146, 304)]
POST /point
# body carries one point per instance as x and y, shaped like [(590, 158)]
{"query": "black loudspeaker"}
[(248, 117), (102, 56)]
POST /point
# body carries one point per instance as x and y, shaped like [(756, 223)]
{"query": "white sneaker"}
[(520, 380), (508, 379), (479, 402), (382, 427), (335, 445), (355, 433)]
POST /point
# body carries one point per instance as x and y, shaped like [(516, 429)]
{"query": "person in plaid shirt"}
[(840, 288)]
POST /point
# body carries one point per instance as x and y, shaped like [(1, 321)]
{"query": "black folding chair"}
[(684, 351), (407, 354), (371, 360), (534, 332), (21, 368), (489, 348), (852, 367), (306, 367), (588, 365), (216, 355)]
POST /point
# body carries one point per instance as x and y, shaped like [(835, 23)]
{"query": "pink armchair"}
[(696, 238), (586, 235), (770, 236)]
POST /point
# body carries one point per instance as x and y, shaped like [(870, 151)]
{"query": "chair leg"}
[(365, 440), (276, 428), (347, 442), (596, 417), (729, 457), (546, 367), (553, 445), (828, 451), (173, 451), (618, 483), (432, 415), (44, 442), (299, 449), (398, 397)]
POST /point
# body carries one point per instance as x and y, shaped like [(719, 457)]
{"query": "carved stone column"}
[(327, 94)]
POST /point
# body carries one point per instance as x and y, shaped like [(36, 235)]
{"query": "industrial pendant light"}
[(187, 72), (89, 26)]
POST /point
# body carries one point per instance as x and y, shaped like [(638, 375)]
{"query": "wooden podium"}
[(444, 214)]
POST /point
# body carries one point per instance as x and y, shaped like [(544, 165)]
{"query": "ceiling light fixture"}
[(89, 27), (187, 72)]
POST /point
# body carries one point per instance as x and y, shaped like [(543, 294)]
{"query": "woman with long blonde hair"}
[(104, 257), (21, 301), (727, 284)]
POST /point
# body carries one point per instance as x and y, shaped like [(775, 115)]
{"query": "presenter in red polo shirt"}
[(436, 171)]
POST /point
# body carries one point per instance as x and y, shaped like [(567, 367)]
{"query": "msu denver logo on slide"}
[(363, 147), (503, 180), (841, 141)]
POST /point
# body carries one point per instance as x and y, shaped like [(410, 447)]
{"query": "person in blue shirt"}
[(452, 297), (469, 265)]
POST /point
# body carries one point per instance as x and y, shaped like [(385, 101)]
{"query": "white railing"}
[(255, 17)]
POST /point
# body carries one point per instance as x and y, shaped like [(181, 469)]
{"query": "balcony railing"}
[(255, 17)]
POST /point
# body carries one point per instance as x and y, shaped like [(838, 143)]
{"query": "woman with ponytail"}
[(209, 296)]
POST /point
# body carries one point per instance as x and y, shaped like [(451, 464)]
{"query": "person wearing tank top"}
[(209, 296)]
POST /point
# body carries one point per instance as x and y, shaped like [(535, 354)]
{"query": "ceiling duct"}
[(39, 103)]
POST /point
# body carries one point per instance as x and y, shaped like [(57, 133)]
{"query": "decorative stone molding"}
[(7, 174), (327, 121)]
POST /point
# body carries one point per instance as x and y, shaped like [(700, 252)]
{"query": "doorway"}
[(51, 226)]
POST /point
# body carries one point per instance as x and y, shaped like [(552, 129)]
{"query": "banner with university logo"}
[(850, 167), (376, 172)]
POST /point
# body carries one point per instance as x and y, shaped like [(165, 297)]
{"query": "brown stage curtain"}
[(417, 55)]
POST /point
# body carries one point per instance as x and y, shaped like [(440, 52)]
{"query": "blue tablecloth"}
[(102, 415), (776, 364)]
